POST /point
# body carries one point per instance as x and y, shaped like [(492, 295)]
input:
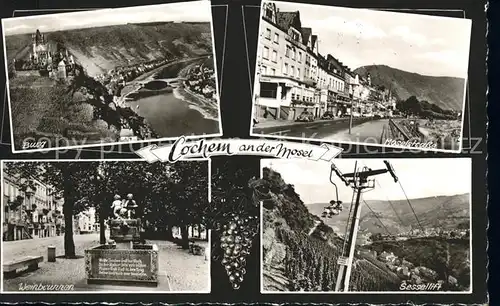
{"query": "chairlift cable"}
[(376, 216), (411, 206), (390, 203)]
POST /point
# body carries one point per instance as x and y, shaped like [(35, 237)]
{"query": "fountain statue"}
[(125, 259)]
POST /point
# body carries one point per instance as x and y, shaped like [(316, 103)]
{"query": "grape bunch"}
[(236, 243)]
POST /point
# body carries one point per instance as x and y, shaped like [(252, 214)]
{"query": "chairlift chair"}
[(337, 205)]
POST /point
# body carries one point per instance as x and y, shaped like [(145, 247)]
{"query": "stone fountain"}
[(125, 259)]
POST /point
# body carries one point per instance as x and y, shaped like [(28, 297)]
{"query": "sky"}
[(198, 11), (424, 44), (420, 178)]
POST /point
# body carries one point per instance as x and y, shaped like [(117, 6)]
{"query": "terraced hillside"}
[(300, 252)]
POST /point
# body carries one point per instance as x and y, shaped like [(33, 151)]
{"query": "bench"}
[(31, 262)]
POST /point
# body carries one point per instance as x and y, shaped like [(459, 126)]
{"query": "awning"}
[(343, 95), (281, 80), (344, 102)]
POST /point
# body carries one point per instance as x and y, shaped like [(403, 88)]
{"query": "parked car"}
[(356, 114), (305, 116), (377, 116), (328, 115)]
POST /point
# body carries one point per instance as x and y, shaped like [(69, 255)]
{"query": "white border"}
[(402, 292), (252, 86), (146, 290), (218, 87)]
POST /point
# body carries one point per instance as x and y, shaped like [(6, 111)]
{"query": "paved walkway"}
[(265, 123), (38, 246), (368, 132), (178, 270)]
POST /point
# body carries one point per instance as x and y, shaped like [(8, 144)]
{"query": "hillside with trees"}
[(100, 49), (447, 93), (444, 212), (423, 109)]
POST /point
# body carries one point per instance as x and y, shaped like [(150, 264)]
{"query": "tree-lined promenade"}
[(167, 195)]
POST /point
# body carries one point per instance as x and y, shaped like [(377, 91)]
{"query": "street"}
[(178, 270), (38, 247), (368, 132), (321, 129)]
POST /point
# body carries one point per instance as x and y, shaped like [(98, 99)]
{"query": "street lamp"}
[(350, 117)]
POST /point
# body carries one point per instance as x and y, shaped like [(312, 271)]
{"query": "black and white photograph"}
[(361, 76), (111, 76), (105, 226), (367, 225)]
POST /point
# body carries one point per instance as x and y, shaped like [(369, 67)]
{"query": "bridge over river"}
[(170, 113), (170, 81)]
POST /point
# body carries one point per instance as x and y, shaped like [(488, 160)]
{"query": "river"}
[(174, 113)]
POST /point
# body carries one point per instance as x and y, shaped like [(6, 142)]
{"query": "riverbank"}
[(177, 113), (208, 108), (136, 83), (170, 116)]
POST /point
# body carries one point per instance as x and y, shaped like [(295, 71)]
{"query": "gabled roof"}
[(306, 33), (331, 57), (314, 38), (288, 19)]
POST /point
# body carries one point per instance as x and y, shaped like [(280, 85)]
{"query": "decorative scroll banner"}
[(183, 149)]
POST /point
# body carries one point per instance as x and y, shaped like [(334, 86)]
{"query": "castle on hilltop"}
[(49, 58), (40, 51)]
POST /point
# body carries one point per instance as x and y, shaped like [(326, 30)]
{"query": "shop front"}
[(338, 103), (285, 98), (274, 92)]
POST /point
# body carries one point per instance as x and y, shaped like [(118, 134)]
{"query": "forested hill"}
[(445, 92), (300, 252), (445, 212), (102, 48)]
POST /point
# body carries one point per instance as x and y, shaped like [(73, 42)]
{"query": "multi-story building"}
[(29, 208), (340, 100), (86, 221), (353, 90), (193, 232), (332, 85), (281, 90), (292, 76), (311, 71), (15, 209), (43, 205)]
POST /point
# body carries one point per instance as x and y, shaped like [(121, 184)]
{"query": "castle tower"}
[(61, 70), (38, 37)]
